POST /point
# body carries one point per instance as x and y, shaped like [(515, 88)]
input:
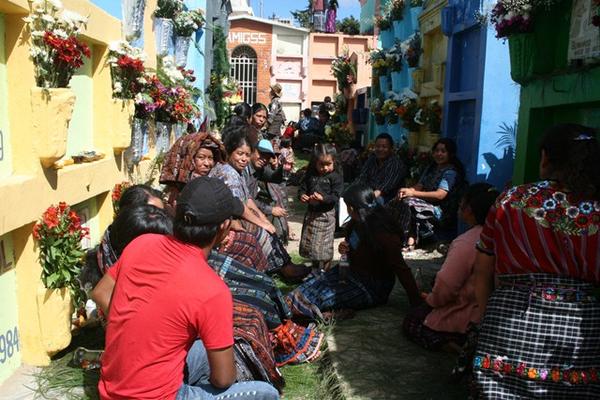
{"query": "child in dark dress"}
[(321, 189)]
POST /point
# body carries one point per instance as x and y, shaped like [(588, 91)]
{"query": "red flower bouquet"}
[(55, 50), (58, 236)]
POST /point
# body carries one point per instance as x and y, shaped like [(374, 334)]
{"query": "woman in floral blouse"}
[(540, 335)]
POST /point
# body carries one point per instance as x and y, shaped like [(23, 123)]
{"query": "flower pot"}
[(387, 38), (396, 81), (182, 46), (163, 31), (139, 137), (399, 28), (384, 83), (522, 56), (163, 137), (417, 79), (54, 309), (121, 124), (133, 19), (51, 112)]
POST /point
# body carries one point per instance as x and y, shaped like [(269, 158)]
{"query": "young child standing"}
[(320, 188)]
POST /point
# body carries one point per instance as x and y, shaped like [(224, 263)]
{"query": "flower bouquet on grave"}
[(394, 57), (377, 58), (344, 70), (55, 48), (395, 10), (58, 235), (383, 22), (412, 50), (389, 110), (376, 110), (185, 24), (511, 17), (126, 69), (165, 11), (407, 111)]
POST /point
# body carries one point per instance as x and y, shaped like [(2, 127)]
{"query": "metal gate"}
[(244, 70)]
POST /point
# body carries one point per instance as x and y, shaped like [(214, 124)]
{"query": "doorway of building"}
[(244, 70)]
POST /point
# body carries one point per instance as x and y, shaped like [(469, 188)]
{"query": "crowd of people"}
[(188, 286)]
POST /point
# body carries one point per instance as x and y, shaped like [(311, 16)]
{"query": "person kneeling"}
[(168, 311), (442, 321)]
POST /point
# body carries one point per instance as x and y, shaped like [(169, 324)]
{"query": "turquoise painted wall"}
[(81, 128), (5, 154), (367, 11), (196, 53)]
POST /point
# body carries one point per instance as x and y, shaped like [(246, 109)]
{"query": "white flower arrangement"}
[(170, 69), (188, 22), (49, 24)]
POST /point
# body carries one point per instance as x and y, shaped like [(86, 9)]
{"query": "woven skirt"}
[(539, 338), (317, 235)]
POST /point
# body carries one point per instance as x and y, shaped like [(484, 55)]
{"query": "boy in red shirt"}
[(168, 311)]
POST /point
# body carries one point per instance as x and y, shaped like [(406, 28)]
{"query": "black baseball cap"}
[(207, 200)]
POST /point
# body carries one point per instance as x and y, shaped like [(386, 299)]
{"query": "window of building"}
[(244, 70)]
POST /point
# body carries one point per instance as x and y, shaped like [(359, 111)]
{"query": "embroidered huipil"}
[(537, 228)]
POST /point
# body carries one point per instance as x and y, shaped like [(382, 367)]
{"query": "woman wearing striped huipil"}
[(540, 335)]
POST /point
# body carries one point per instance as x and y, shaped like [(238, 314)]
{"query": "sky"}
[(281, 8)]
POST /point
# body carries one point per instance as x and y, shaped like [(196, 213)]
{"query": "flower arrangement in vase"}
[(186, 23), (412, 50), (396, 10), (58, 235), (377, 58), (407, 112), (55, 50), (376, 110), (168, 9), (511, 17), (127, 69), (383, 22), (394, 57), (344, 70), (389, 110)]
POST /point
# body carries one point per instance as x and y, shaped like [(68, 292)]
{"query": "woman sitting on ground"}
[(433, 201), (190, 156), (383, 171), (442, 321), (238, 150), (372, 248), (195, 155), (540, 245)]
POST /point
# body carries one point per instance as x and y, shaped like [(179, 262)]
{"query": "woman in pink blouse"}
[(442, 321)]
